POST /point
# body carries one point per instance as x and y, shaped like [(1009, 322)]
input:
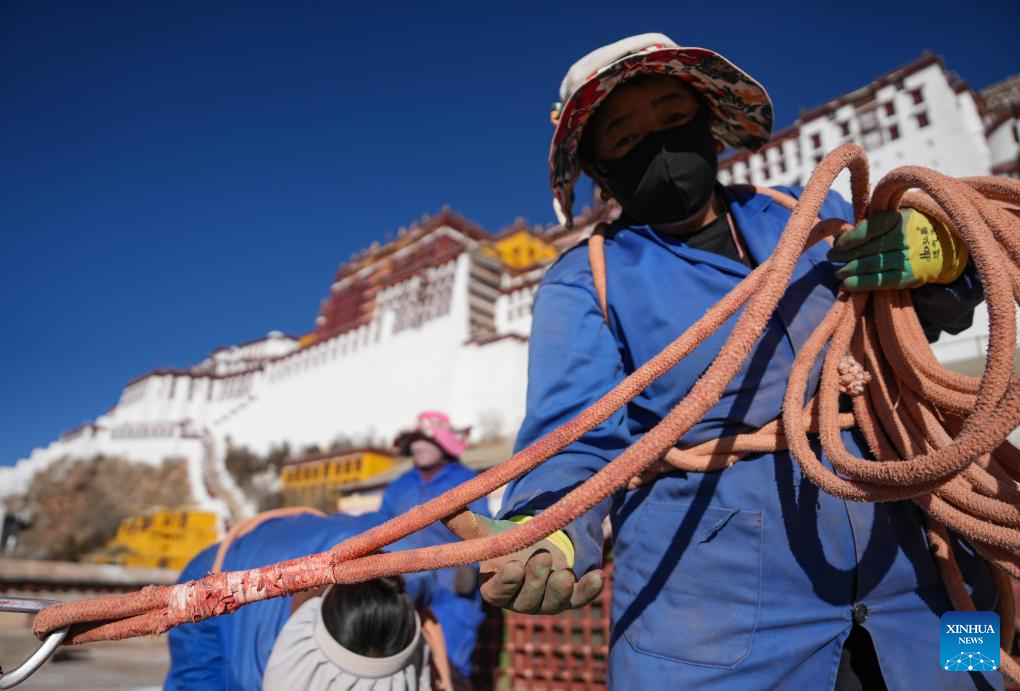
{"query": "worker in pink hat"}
[(435, 447)]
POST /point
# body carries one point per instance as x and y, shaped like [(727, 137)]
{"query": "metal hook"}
[(23, 671)]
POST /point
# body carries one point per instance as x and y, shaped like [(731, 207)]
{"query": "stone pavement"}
[(136, 664)]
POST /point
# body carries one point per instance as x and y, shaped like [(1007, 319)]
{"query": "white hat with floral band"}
[(741, 108), (306, 656)]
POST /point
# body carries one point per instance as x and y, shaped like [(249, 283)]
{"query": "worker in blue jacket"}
[(231, 651), (435, 447), (749, 577)]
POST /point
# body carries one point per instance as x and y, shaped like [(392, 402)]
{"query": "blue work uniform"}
[(231, 651), (459, 615), (751, 577)]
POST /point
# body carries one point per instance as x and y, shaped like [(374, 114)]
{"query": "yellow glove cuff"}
[(937, 254), (559, 539)]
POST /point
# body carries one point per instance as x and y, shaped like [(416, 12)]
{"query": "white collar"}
[(362, 665)]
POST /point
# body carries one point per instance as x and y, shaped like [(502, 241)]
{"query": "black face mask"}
[(668, 176)]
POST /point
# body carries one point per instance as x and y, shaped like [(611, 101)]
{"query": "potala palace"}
[(439, 318)]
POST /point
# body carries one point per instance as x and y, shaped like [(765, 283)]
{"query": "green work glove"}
[(535, 580), (898, 249)]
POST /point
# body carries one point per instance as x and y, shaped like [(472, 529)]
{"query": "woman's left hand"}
[(898, 249)]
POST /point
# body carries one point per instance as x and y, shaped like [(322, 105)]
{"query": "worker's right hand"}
[(536, 580)]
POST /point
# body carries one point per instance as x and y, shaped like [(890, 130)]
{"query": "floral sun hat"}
[(741, 108)]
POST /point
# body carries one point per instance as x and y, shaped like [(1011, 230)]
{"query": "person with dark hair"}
[(375, 618), (369, 627), (366, 636)]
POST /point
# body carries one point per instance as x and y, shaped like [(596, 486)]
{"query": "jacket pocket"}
[(692, 576)]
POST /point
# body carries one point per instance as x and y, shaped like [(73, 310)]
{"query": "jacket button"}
[(860, 613)]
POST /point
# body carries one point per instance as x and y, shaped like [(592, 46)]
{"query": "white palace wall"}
[(364, 385), (939, 128), (140, 443)]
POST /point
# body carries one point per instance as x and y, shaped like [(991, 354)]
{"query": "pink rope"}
[(938, 437)]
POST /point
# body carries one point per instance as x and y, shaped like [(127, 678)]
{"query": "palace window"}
[(917, 95), (872, 139), (816, 140), (894, 132), (890, 108), (922, 119), (869, 119)]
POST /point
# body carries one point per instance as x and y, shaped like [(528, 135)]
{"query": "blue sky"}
[(178, 176)]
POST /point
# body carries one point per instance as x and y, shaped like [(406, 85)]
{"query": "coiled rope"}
[(938, 437)]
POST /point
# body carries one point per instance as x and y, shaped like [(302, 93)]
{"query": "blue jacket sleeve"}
[(196, 654), (939, 307), (573, 360)]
